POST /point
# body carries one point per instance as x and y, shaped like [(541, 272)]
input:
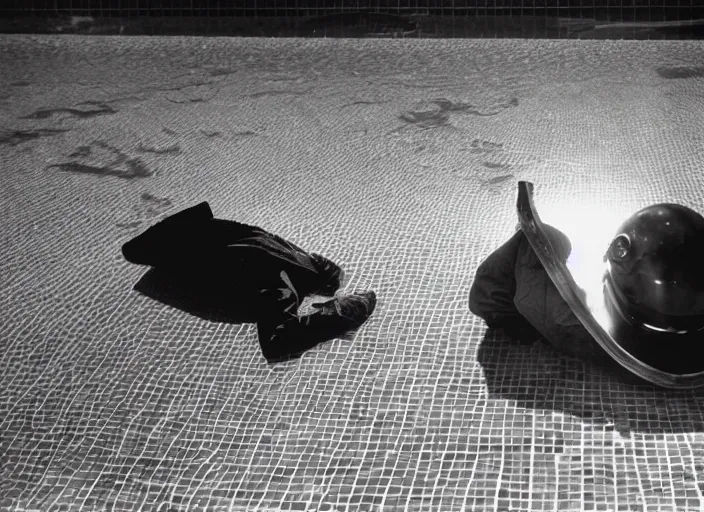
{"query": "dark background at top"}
[(583, 19), (607, 10)]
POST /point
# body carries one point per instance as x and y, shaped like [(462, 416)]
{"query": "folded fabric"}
[(512, 291)]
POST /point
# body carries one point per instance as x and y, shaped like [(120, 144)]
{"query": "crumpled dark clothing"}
[(513, 292), (232, 251), (254, 270)]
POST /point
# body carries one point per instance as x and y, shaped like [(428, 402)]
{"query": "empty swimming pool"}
[(397, 159)]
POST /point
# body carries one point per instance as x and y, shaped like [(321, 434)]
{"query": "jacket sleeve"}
[(491, 296)]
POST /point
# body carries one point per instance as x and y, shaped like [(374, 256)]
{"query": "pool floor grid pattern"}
[(397, 159)]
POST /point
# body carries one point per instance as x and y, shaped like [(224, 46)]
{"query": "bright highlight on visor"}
[(582, 285), (590, 228)]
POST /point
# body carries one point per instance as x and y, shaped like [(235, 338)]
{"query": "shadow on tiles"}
[(198, 295), (535, 376)]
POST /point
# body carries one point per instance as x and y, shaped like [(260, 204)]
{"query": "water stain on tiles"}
[(127, 101), (81, 151), (195, 93), (264, 94), (494, 166), (498, 180), (221, 72), (91, 159), (362, 102), (479, 147), (134, 169), (435, 117), (155, 205), (246, 133), (87, 110), (173, 149), (437, 113), (680, 72), (13, 138), (197, 99)]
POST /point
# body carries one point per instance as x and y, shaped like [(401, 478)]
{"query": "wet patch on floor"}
[(127, 101), (440, 111), (489, 164), (173, 149), (483, 147), (362, 102), (91, 160), (134, 169), (86, 110), (498, 185), (15, 137), (154, 200), (264, 94), (81, 151), (498, 179), (193, 93), (220, 72), (427, 119), (246, 133), (155, 205), (188, 100), (494, 166), (680, 72)]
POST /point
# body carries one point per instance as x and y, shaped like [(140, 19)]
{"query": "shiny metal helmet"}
[(648, 312)]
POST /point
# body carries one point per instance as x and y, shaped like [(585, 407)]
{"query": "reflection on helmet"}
[(655, 270)]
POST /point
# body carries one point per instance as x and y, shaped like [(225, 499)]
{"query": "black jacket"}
[(242, 257)]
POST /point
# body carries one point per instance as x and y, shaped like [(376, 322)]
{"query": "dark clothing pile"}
[(255, 268)]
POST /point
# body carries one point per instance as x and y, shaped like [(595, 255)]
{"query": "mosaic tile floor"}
[(398, 159)]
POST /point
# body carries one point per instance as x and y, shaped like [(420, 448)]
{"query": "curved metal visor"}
[(633, 349)]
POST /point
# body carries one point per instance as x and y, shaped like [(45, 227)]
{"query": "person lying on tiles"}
[(251, 268)]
